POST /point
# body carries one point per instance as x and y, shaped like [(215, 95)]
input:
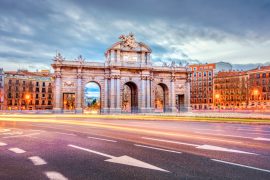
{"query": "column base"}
[(171, 109), (78, 110), (57, 110), (115, 110), (146, 110)]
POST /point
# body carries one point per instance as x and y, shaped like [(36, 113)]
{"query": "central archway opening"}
[(92, 98), (130, 98), (161, 98)]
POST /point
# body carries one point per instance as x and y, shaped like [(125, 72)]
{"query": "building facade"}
[(26, 90), (127, 67), (259, 88), (2, 77), (202, 86), (231, 90)]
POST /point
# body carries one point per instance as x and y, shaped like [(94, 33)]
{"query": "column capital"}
[(79, 76), (173, 79), (57, 75)]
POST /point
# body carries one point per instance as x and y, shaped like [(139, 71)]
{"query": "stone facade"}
[(128, 63)]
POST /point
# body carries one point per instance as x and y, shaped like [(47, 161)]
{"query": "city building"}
[(128, 82), (259, 88), (231, 90), (26, 90), (2, 77), (202, 86)]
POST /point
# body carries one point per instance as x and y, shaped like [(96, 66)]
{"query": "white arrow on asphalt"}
[(216, 148), (205, 146), (126, 160)]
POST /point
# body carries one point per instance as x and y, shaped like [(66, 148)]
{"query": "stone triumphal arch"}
[(127, 82)]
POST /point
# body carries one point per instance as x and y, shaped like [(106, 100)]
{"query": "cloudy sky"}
[(31, 31)]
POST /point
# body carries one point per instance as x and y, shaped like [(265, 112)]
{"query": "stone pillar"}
[(118, 95), (112, 94), (148, 94), (143, 102), (105, 106), (79, 93), (172, 95), (57, 93), (187, 96)]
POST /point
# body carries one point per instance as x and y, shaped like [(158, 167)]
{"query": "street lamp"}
[(255, 93), (27, 98), (217, 97)]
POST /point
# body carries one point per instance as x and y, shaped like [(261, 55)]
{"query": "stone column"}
[(105, 106), (57, 93), (172, 95), (79, 93), (143, 99), (118, 95), (112, 94), (187, 96), (148, 92)]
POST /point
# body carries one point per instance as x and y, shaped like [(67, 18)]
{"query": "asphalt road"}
[(111, 149)]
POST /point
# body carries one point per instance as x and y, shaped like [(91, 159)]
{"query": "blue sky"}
[(92, 90), (236, 31)]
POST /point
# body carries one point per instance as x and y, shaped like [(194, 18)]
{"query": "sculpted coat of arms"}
[(129, 40)]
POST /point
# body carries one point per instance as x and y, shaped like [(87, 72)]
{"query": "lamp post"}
[(217, 97), (255, 93), (27, 98)]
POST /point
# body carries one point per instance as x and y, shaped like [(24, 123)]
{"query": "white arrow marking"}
[(216, 148), (160, 149), (37, 161), (262, 139), (205, 146), (126, 160)]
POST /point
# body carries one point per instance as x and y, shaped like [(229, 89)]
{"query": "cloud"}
[(205, 30)]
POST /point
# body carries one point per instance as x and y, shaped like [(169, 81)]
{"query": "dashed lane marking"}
[(160, 149), (262, 139), (2, 144), (53, 175), (241, 165), (69, 134), (17, 150), (25, 135), (37, 161), (90, 137)]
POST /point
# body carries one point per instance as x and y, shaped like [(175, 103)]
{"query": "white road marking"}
[(169, 141), (69, 134), (4, 130), (32, 134), (2, 144), (255, 130), (217, 148), (13, 133), (205, 146), (149, 147), (37, 161), (17, 150), (207, 129), (262, 139), (101, 139), (55, 175), (225, 135), (240, 165), (126, 160)]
